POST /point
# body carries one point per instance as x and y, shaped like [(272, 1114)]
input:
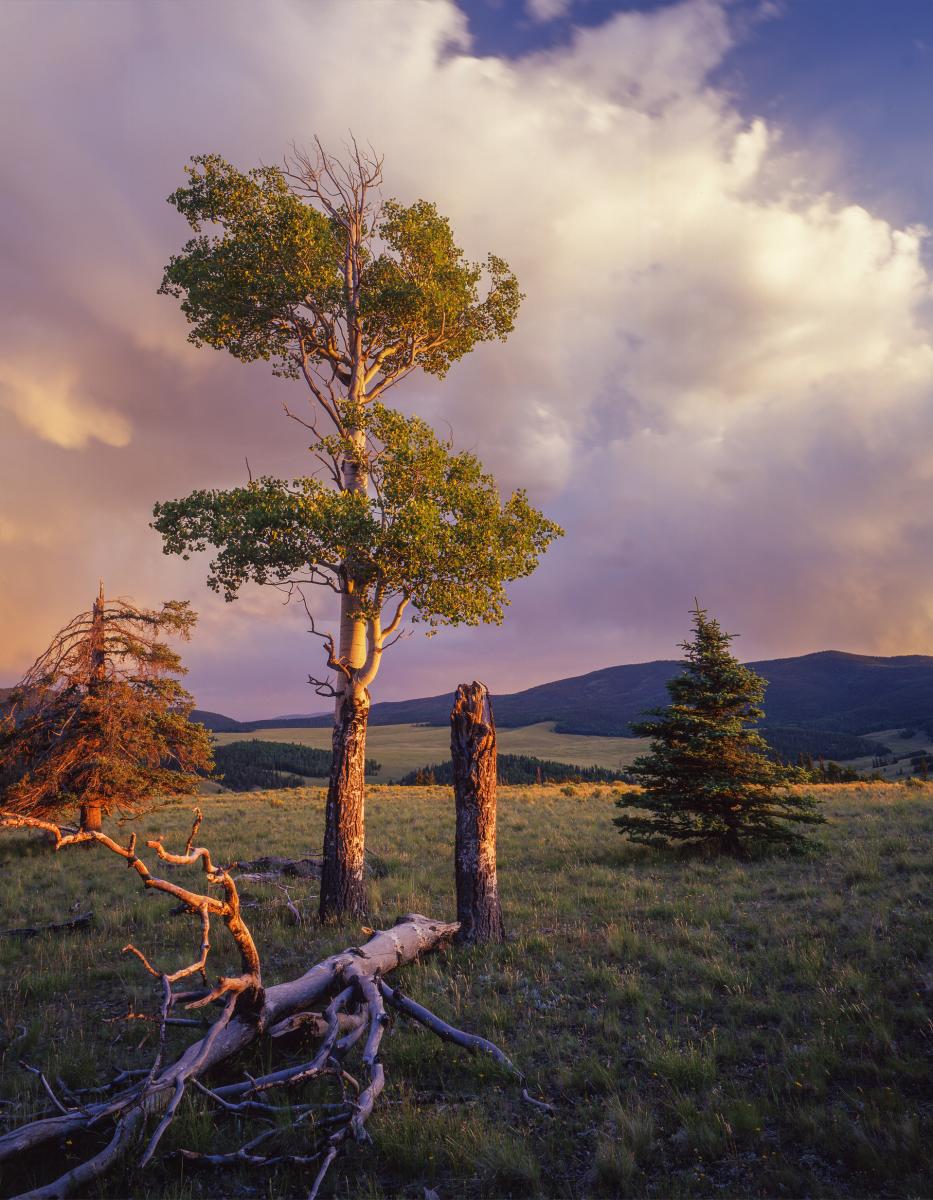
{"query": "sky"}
[(720, 382)]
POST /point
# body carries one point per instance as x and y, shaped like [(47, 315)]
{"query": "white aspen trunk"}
[(343, 883), (352, 641)]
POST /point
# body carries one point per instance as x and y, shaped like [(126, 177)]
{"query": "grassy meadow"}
[(917, 743), (702, 1027), (403, 748)]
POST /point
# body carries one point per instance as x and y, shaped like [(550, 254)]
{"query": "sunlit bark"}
[(473, 753)]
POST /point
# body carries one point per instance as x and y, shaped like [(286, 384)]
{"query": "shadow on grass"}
[(633, 854), (15, 849)]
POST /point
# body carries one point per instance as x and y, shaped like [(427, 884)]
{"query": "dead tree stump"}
[(473, 754)]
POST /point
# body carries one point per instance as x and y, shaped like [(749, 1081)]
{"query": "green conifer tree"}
[(708, 777)]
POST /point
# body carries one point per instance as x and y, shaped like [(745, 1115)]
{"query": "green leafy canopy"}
[(267, 281), (433, 530)]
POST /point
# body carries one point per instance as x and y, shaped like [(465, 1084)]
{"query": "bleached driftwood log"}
[(349, 987)]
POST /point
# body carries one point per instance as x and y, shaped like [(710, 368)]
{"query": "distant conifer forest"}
[(243, 766), (520, 769)]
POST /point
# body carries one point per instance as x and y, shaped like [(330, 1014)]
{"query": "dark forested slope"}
[(831, 694)]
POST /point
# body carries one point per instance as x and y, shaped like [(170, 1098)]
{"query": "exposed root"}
[(349, 986), (369, 992), (312, 1024), (45, 1084), (540, 1104), (245, 1156), (447, 1033), (132, 1015), (118, 1081)]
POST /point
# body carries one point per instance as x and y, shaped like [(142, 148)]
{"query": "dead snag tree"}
[(473, 756), (348, 294), (344, 1000), (99, 722)]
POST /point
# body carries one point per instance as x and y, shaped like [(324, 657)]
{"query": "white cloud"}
[(720, 381)]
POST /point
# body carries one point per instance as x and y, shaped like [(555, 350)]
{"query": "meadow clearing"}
[(916, 741), (702, 1026), (402, 748)]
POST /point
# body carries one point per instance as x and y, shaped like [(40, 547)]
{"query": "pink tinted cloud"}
[(719, 382)]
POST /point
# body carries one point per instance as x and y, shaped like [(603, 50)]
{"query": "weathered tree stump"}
[(473, 753)]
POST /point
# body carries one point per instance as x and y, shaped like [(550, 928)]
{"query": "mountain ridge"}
[(832, 696)]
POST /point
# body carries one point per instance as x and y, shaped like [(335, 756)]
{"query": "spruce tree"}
[(709, 777)]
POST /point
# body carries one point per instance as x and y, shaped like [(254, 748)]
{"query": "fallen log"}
[(271, 866), (348, 985), (28, 931)]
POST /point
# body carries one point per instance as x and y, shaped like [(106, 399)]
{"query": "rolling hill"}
[(816, 703), (820, 704)]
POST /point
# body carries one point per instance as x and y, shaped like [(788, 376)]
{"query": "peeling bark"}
[(473, 753)]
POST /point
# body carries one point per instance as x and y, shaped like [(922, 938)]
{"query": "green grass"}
[(403, 748), (702, 1027)]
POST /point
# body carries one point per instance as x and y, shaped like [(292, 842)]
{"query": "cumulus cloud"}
[(720, 381)]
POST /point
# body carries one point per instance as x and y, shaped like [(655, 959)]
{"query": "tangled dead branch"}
[(342, 1000)]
